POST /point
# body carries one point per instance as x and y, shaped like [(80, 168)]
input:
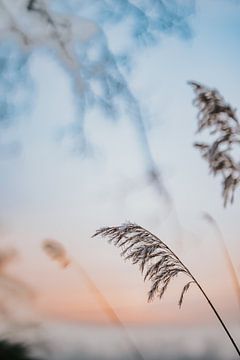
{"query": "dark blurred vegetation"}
[(14, 351), (20, 351)]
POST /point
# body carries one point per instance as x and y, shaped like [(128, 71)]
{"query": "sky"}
[(50, 190)]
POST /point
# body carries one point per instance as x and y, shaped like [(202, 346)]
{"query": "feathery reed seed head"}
[(156, 261), (6, 257), (220, 118), (55, 250)]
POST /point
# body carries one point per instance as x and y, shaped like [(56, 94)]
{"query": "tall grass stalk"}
[(229, 262), (56, 251), (157, 262)]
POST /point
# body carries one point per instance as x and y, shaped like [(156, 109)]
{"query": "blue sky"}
[(50, 190)]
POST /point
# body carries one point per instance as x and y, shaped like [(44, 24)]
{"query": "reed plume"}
[(217, 116), (235, 281), (55, 250), (157, 262), (6, 257)]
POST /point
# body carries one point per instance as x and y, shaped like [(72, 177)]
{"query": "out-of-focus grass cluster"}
[(219, 118)]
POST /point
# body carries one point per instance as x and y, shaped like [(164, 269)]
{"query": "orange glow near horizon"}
[(62, 293), (75, 303)]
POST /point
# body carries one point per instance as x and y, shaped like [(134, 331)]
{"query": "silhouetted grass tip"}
[(156, 261)]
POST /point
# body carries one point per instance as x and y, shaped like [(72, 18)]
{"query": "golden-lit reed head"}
[(55, 250), (6, 257)]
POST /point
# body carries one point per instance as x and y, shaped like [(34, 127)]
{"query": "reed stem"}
[(157, 262), (206, 297)]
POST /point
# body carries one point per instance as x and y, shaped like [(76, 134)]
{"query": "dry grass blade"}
[(156, 260), (216, 115)]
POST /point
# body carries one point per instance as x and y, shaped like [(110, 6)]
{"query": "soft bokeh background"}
[(74, 158)]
